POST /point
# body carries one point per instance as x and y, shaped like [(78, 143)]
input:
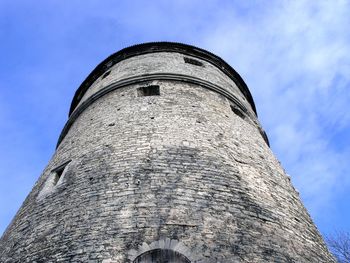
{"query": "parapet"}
[(167, 61), (155, 47)]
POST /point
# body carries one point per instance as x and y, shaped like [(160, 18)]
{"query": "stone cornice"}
[(144, 78), (153, 47)]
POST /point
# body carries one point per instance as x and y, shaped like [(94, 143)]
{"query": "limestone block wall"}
[(165, 62), (184, 175)]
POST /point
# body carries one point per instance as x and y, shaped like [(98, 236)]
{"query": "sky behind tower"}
[(293, 55)]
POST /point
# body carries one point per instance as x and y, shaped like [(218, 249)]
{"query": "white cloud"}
[(295, 58)]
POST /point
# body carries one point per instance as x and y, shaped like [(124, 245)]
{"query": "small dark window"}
[(106, 74), (193, 61), (59, 172), (54, 179), (264, 135), (152, 90), (237, 111)]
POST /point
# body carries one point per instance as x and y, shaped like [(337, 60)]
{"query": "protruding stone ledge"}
[(145, 78), (153, 47)]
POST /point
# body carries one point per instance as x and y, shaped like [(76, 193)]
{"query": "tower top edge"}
[(154, 47)]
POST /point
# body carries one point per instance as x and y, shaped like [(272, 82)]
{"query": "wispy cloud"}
[(295, 57)]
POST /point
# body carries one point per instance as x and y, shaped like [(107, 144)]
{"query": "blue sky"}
[(293, 55)]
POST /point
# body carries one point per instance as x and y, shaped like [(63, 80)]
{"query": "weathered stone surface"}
[(180, 171)]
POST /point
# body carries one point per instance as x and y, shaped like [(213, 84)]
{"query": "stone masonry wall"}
[(180, 170), (165, 62)]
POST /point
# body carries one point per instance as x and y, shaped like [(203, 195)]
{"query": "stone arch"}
[(161, 256), (164, 248)]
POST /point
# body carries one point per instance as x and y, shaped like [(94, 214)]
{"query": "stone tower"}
[(163, 159)]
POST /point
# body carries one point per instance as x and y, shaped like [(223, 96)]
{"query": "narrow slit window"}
[(264, 135), (152, 90), (54, 179), (106, 74), (193, 61), (57, 176), (237, 111), (59, 172)]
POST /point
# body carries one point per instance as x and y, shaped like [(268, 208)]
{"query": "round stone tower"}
[(163, 159)]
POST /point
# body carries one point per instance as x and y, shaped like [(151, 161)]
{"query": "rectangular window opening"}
[(264, 135), (237, 112), (57, 176), (106, 74), (193, 61), (59, 172), (152, 90)]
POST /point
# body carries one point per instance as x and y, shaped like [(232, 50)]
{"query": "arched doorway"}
[(161, 256)]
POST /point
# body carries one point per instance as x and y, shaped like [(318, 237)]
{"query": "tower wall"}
[(188, 172)]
